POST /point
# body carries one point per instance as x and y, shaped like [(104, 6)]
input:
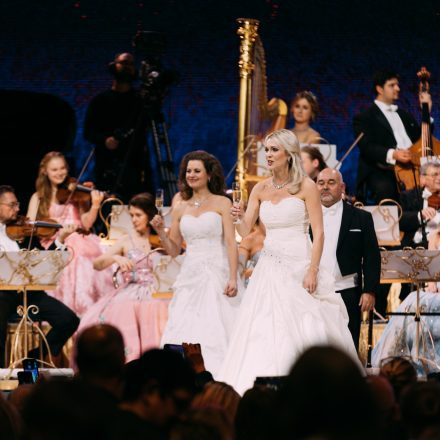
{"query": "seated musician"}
[(132, 309), (388, 133), (304, 109), (420, 202), (62, 320), (79, 286), (313, 161)]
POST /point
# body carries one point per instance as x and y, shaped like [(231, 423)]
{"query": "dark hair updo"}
[(145, 202)]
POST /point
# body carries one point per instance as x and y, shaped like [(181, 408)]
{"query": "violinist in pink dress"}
[(79, 286), (140, 318)]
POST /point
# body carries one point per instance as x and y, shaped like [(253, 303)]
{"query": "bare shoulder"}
[(315, 136), (308, 187), (222, 202), (33, 198), (179, 208), (177, 199), (261, 186)]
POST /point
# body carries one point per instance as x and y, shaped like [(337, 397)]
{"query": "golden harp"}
[(257, 116)]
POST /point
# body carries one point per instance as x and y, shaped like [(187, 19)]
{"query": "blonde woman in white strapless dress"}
[(205, 302), (290, 303)]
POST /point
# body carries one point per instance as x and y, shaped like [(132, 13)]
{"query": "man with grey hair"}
[(417, 212), (351, 252)]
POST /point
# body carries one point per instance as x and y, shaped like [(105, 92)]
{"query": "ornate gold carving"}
[(106, 220), (248, 33)]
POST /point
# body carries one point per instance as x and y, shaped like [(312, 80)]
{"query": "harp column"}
[(247, 32)]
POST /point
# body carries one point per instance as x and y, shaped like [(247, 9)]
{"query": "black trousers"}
[(351, 299), (62, 320)]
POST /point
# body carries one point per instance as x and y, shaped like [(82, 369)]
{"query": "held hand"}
[(425, 97), (403, 156), (428, 213), (432, 287), (111, 143), (66, 231), (231, 288), (310, 281), (97, 198), (193, 353), (367, 302), (237, 211), (158, 224), (124, 263)]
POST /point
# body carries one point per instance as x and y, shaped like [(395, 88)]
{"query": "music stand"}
[(25, 271), (416, 266)]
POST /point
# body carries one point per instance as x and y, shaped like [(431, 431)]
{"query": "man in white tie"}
[(350, 251), (416, 209), (388, 133)]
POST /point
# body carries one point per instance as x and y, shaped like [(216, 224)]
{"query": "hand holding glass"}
[(159, 200), (236, 199)]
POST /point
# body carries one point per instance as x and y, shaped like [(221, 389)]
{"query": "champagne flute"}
[(236, 199), (159, 200)]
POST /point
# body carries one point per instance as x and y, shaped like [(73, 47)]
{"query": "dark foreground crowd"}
[(163, 395)]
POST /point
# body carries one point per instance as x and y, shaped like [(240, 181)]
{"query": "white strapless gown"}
[(200, 312), (278, 318)]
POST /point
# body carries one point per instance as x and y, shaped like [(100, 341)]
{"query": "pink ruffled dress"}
[(140, 318), (80, 286)]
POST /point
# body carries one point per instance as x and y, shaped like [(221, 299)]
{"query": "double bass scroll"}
[(426, 149)]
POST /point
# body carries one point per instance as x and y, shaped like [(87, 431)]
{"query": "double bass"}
[(425, 149)]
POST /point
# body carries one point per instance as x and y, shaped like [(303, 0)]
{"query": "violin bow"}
[(338, 165), (83, 169)]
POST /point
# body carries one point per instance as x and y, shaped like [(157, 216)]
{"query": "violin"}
[(46, 228), (23, 227), (72, 191), (434, 201)]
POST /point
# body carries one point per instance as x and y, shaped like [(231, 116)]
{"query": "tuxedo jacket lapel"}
[(347, 213), (382, 120)]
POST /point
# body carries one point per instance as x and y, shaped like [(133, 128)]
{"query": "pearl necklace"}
[(281, 185)]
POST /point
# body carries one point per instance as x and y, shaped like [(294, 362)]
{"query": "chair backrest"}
[(120, 221), (386, 223)]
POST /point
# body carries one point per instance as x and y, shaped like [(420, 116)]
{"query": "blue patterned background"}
[(62, 48)]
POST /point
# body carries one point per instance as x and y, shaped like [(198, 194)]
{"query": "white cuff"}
[(417, 237), (60, 246), (435, 221), (390, 159)]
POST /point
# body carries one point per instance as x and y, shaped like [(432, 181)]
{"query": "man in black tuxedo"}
[(115, 123), (350, 251), (388, 133), (62, 320), (415, 207)]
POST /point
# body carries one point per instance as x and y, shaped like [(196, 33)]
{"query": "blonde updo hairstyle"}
[(287, 140)]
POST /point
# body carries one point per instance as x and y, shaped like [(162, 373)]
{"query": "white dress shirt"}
[(6, 244), (332, 217), (402, 138)]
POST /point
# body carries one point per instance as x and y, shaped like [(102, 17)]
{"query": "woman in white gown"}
[(205, 302), (290, 304)]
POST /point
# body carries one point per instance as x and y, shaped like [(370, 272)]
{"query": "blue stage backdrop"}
[(62, 48)]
